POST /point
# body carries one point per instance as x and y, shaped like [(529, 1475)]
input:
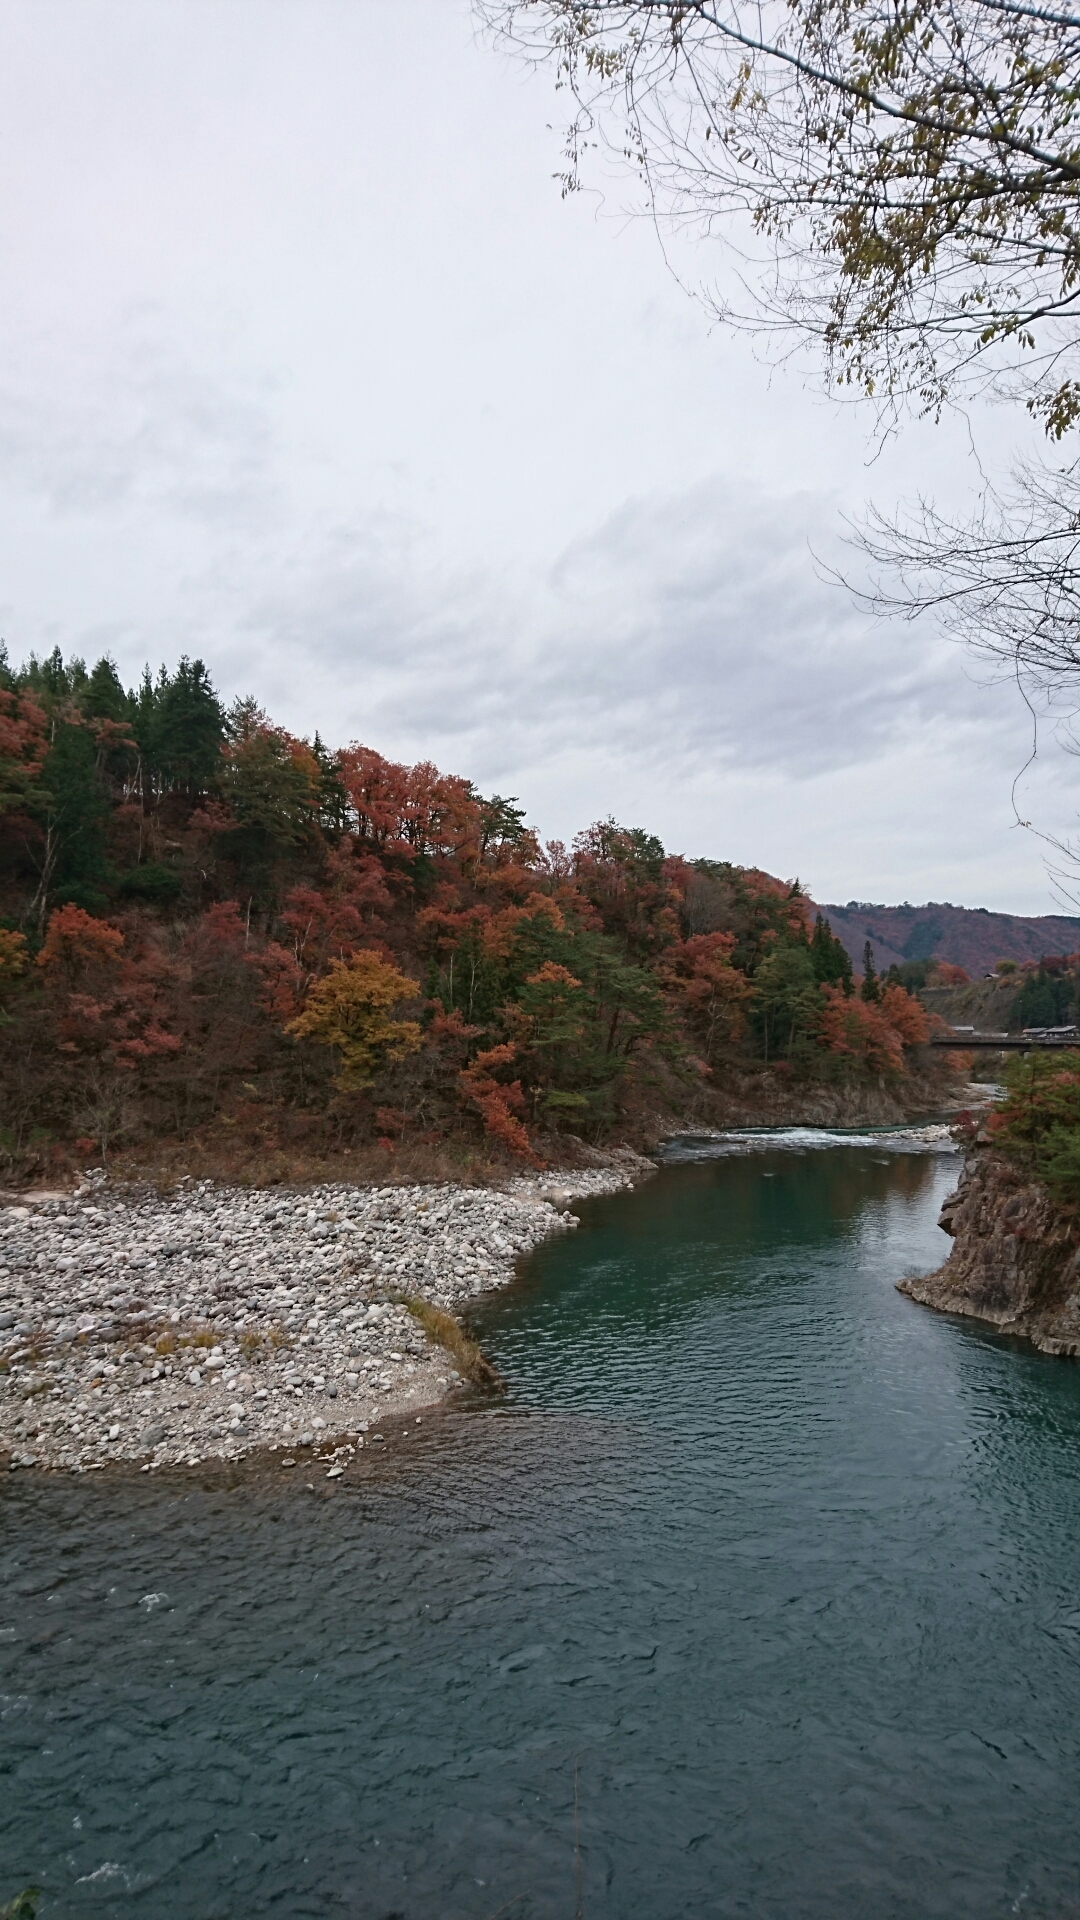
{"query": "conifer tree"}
[(832, 962), (104, 697), (182, 724), (871, 986), (333, 806)]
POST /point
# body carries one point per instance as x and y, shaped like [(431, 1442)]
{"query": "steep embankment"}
[(969, 937), (771, 1099), (1015, 1261), (986, 1004)]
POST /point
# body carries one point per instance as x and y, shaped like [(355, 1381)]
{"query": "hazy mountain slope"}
[(970, 937)]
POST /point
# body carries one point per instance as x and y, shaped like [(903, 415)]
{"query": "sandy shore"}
[(219, 1321)]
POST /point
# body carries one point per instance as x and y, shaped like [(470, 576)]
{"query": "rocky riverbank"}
[(217, 1321), (1015, 1262)]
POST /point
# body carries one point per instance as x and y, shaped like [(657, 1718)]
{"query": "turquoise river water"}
[(757, 1594)]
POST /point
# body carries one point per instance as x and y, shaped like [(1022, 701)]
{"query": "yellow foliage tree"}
[(348, 1009), (12, 954)]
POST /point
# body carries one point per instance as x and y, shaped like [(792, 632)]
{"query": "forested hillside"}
[(968, 937), (208, 924)]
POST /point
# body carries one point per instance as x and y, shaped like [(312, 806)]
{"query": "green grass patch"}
[(24, 1905)]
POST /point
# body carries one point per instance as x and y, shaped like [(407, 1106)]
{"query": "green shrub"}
[(158, 885)]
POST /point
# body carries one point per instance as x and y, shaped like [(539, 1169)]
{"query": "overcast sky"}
[(306, 368)]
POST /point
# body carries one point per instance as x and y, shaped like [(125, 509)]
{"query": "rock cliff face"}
[(767, 1098), (1016, 1258)]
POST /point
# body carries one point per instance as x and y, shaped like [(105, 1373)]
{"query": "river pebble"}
[(215, 1321)]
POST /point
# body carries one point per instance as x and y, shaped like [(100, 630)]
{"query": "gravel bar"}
[(218, 1320)]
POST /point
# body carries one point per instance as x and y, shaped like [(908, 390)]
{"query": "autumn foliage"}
[(347, 1010), (79, 949), (207, 922), (500, 1104)]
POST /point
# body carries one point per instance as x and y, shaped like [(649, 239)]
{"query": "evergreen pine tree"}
[(333, 799), (103, 696), (73, 816), (187, 730), (831, 960), (871, 986)]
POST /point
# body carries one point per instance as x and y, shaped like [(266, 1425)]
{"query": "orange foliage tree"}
[(861, 1031), (499, 1103), (713, 992)]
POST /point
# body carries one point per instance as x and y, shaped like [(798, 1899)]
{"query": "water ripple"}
[(782, 1566)]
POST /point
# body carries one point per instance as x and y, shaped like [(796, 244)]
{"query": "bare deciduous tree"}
[(901, 179), (904, 176), (1006, 580)]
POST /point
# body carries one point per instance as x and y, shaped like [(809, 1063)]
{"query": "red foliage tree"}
[(80, 951), (500, 1104), (109, 1003), (860, 1030), (411, 811), (944, 973), (23, 746), (714, 993)]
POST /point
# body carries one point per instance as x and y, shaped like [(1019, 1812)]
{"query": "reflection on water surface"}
[(785, 1565)]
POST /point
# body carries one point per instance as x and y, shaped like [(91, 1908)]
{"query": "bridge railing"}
[(1035, 1039)]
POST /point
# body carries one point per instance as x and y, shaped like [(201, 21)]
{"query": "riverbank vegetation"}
[(1037, 1125), (444, 1331), (213, 930)]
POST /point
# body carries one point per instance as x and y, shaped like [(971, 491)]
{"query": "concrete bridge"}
[(964, 1039)]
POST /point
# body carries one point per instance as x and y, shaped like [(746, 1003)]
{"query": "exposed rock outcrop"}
[(771, 1097), (1016, 1257)]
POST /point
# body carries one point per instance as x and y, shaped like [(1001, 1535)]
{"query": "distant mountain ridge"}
[(969, 937)]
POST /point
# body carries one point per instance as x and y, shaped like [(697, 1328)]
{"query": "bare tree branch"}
[(1006, 581), (903, 175)]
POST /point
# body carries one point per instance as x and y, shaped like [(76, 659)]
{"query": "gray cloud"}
[(93, 426), (692, 631), (417, 454)]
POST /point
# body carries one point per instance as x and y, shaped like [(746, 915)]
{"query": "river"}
[(757, 1595)]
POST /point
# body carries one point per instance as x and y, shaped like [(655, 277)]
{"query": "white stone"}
[(426, 1232)]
